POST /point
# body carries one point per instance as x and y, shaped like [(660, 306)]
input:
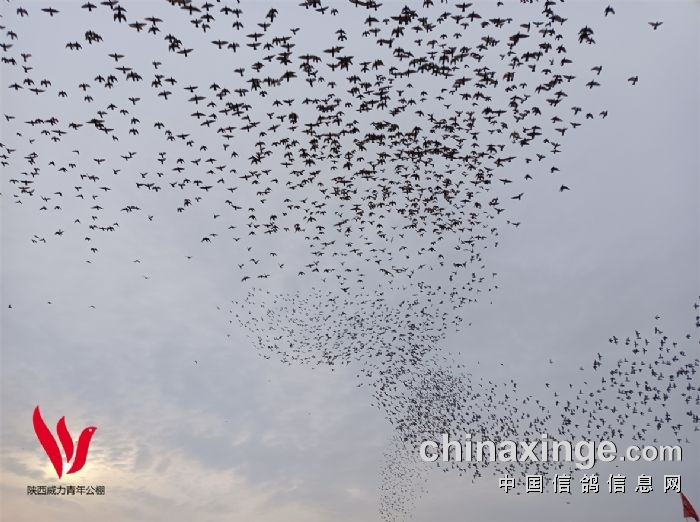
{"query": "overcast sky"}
[(234, 436)]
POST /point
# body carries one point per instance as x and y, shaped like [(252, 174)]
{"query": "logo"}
[(48, 442)]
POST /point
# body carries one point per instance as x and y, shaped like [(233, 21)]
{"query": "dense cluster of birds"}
[(385, 143), (372, 150), (644, 389)]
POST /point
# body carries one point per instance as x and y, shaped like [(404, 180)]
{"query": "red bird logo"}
[(48, 442)]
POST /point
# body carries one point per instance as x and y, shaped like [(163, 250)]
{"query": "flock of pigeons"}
[(644, 388), (389, 140), (387, 144)]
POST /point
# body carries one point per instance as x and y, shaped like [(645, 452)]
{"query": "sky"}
[(194, 423)]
